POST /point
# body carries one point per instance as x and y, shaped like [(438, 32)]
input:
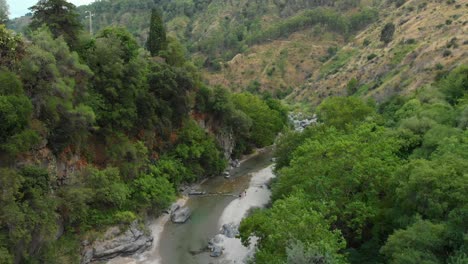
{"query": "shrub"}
[(452, 43), (446, 53), (399, 3), (352, 86), (371, 56), (366, 42), (387, 32)]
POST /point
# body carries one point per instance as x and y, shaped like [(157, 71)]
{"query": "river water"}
[(184, 243)]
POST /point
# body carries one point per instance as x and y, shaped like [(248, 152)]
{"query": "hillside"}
[(274, 46), (430, 39), (236, 42), (278, 47)]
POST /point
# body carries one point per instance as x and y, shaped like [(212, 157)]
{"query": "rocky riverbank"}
[(117, 242), (225, 244), (181, 211)]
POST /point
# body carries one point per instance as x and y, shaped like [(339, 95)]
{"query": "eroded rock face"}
[(117, 243), (226, 142), (181, 215)]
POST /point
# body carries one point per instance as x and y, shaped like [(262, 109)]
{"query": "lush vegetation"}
[(96, 131), (372, 184)]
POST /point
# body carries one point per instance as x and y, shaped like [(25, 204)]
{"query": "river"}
[(184, 243)]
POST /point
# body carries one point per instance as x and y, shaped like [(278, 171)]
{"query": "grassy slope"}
[(277, 65), (414, 57), (398, 67), (296, 62)]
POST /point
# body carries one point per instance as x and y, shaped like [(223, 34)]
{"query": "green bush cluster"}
[(253, 122)]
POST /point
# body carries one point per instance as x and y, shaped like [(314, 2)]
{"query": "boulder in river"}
[(230, 230), (216, 251), (174, 207), (197, 192), (234, 163), (181, 215), (215, 246)]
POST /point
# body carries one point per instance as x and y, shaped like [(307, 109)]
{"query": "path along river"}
[(184, 243)]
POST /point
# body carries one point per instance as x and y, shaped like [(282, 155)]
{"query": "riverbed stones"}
[(234, 163), (215, 246), (195, 192), (181, 215), (217, 251), (230, 230), (300, 122)]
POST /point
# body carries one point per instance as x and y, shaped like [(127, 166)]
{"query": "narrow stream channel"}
[(182, 243)]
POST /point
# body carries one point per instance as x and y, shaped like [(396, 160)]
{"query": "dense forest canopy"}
[(372, 184)]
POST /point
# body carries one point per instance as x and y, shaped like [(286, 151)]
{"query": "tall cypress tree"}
[(61, 18), (157, 34)]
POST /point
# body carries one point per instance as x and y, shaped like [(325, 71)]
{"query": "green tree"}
[(27, 211), (421, 242), (343, 111), (386, 35), (60, 17), (151, 191), (433, 188), (198, 151), (157, 35), (15, 113), (171, 85), (292, 219), (119, 78), (352, 86), (5, 256), (300, 253), (108, 187), (11, 48), (455, 84), (57, 82), (130, 157), (266, 122), (4, 11), (349, 170), (15, 107), (174, 52), (172, 169)]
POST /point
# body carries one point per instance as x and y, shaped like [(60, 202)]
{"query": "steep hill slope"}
[(277, 46), (216, 31), (306, 50), (430, 39)]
